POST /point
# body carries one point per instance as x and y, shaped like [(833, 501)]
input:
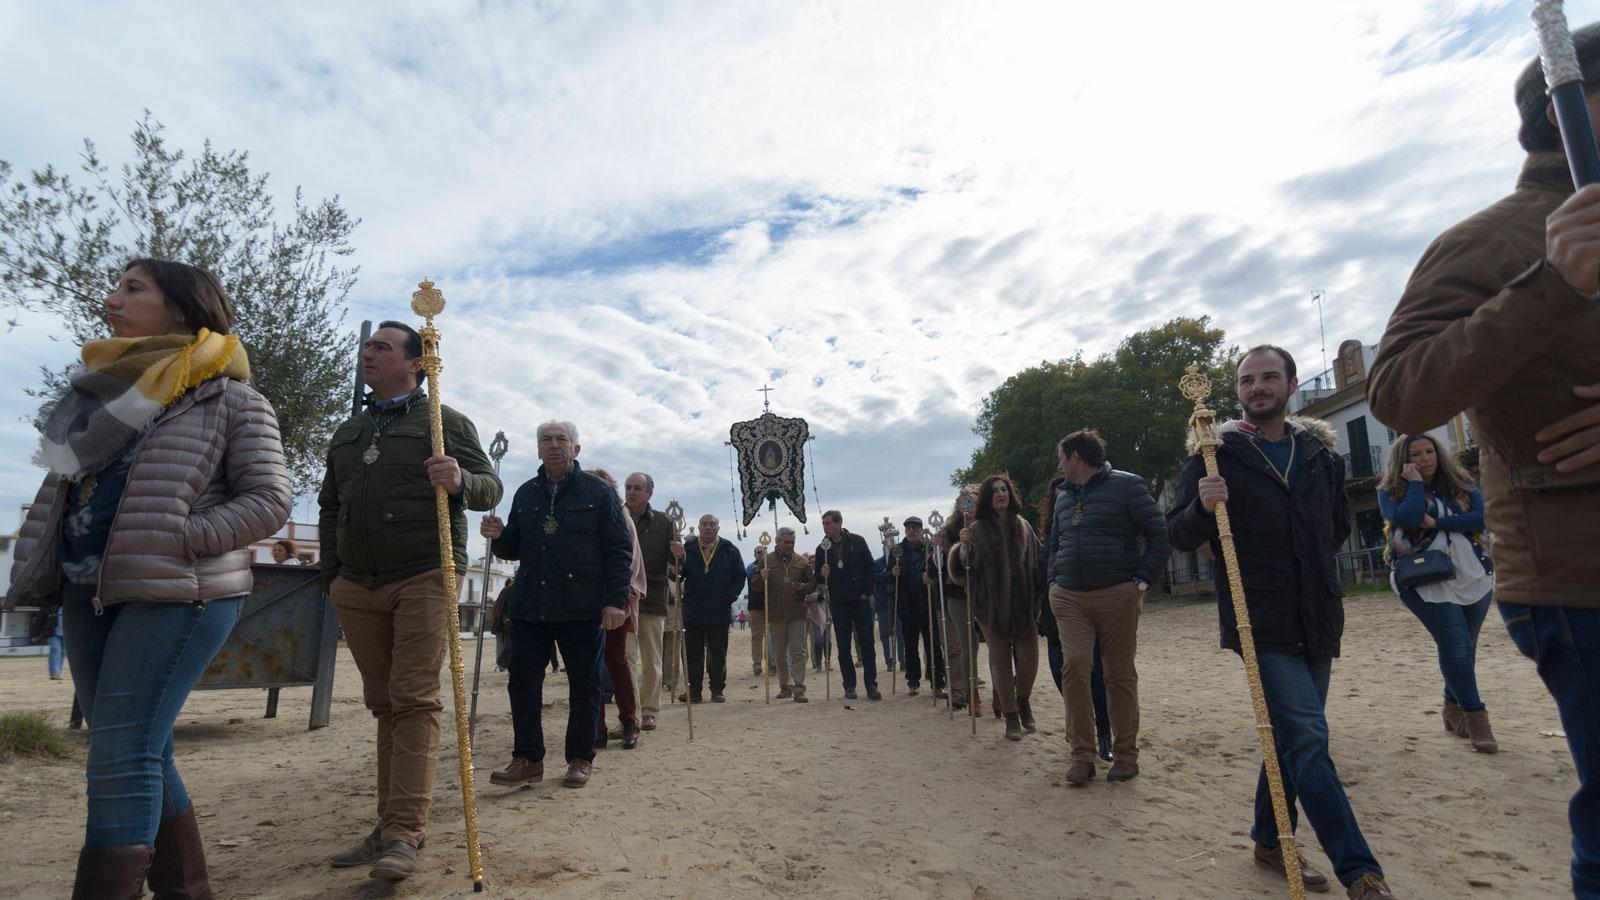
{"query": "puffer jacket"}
[(1099, 526), (207, 481), (1487, 327), (1285, 538)]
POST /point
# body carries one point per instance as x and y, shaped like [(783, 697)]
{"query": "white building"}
[(14, 624), (471, 597), (1339, 397)]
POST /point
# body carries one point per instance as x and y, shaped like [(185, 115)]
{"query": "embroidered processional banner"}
[(771, 462)]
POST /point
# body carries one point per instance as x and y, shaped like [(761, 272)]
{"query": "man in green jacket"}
[(380, 561)]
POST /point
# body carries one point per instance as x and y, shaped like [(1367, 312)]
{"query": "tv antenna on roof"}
[(1319, 296)]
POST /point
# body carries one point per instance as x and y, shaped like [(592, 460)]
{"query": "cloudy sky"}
[(641, 212)]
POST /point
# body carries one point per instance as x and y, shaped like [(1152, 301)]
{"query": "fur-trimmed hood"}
[(1318, 429)]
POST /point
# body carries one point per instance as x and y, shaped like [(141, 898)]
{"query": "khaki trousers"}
[(650, 649), (397, 635), (958, 642), (1013, 664), (790, 641), (758, 637), (1110, 615)]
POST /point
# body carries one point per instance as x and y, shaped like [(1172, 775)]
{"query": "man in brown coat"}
[(656, 538), (1500, 319), (788, 581)]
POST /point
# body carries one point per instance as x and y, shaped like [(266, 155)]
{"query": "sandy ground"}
[(863, 799)]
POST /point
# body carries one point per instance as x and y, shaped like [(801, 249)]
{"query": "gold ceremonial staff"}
[(427, 302), (1196, 386)]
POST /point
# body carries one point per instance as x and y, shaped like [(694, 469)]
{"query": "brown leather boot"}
[(1013, 727), (178, 866), (1479, 731), (111, 873), (1025, 713), (521, 771), (1080, 773), (1451, 714)]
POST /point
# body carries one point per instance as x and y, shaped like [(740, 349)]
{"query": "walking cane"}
[(936, 522), (1196, 386), (427, 302), (497, 450), (766, 600)]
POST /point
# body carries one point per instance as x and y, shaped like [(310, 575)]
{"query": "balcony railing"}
[(1364, 465)]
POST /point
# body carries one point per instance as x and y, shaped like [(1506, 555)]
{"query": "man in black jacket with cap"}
[(844, 563)]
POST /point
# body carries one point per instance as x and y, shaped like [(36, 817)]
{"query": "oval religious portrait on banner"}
[(769, 456)]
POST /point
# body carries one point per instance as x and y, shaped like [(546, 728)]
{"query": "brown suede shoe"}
[(800, 694), (1450, 714), (111, 873), (1479, 731), (577, 773), (521, 771), (1369, 887), (1271, 858), (178, 868), (784, 693), (1123, 769), (1080, 773)]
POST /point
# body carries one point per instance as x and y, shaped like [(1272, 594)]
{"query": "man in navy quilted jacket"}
[(1107, 545)]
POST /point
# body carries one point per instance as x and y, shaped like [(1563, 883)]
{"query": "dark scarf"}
[(1005, 590)]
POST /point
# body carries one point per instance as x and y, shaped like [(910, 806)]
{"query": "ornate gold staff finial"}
[(1196, 386), (427, 302)]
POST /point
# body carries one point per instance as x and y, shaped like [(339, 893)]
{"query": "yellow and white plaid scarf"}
[(123, 384)]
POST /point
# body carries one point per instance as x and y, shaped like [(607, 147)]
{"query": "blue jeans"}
[(532, 646), (1296, 687), (850, 621), (1563, 643), (57, 655), (1455, 632), (132, 669), (1097, 682)]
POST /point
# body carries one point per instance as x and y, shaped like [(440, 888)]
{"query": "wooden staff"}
[(935, 523), (497, 451), (966, 505), (1196, 386), (683, 657), (933, 642), (676, 519), (766, 601), (891, 552), (427, 302)]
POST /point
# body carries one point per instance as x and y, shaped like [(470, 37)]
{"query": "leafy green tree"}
[(63, 244), (1130, 396)]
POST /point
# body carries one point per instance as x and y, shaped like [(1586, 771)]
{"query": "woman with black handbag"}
[(1442, 571)]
